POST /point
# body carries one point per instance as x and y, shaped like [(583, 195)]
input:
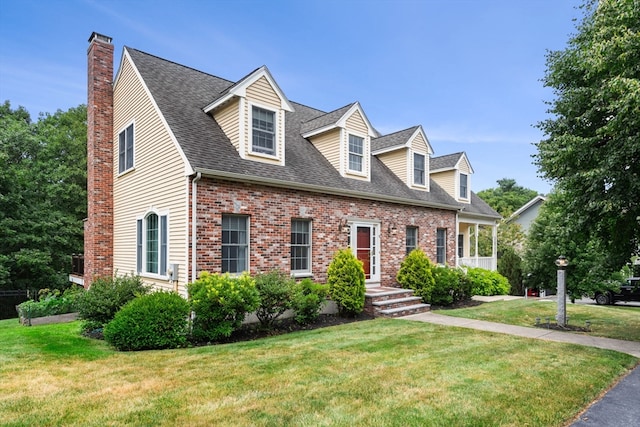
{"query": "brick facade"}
[(98, 233), (270, 211)]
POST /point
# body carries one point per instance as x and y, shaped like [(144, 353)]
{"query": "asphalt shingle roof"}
[(181, 93)]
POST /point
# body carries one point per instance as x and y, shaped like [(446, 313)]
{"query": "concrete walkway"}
[(629, 347)]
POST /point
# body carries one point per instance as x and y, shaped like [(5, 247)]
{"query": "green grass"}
[(374, 373), (606, 321)]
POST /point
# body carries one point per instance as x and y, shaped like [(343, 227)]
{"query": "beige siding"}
[(228, 117), (356, 125), (328, 144), (397, 161), (156, 182), (446, 180), (464, 166), (419, 144), (262, 93)]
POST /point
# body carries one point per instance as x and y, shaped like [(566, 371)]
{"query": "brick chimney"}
[(98, 228)]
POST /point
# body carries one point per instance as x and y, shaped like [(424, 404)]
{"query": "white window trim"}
[(248, 219), (278, 130), (413, 169), (365, 153), (459, 197), (309, 270), (446, 233), (133, 163), (162, 275)]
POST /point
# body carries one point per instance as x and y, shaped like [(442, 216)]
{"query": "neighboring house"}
[(190, 172), (527, 213)]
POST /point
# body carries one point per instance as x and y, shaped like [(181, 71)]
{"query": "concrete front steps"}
[(393, 302)]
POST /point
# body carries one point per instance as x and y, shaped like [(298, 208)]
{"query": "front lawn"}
[(612, 321), (372, 373)]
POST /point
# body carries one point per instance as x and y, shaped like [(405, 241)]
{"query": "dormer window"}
[(464, 186), (356, 150), (419, 169), (263, 131)]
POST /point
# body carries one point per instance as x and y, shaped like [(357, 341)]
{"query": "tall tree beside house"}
[(42, 195), (592, 145), (506, 199), (554, 233)]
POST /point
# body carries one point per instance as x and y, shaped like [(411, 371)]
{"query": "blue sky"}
[(468, 71)]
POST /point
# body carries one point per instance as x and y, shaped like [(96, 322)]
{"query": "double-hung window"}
[(151, 244), (300, 246), (356, 153), (411, 239), (464, 186), (263, 131), (441, 245), (419, 169), (235, 243), (125, 149)]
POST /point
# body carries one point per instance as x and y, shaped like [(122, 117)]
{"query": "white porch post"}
[(476, 227), (494, 252)]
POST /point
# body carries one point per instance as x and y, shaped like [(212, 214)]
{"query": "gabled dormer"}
[(407, 153), (252, 115), (344, 137), (453, 173)]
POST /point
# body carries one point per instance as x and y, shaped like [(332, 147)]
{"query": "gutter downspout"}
[(194, 228)]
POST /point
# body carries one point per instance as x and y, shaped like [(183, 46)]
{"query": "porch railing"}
[(488, 263)]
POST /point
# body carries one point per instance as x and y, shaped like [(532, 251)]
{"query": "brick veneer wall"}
[(271, 210), (98, 230)]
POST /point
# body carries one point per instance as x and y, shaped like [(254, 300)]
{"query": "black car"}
[(630, 291)]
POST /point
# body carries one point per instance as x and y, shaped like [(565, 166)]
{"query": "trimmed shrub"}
[(99, 304), (220, 303), (486, 282), (451, 285), (415, 273), (308, 299), (345, 277), (276, 291), (151, 322)]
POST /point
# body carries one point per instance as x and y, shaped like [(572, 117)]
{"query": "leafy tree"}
[(554, 233), (508, 197), (42, 195), (592, 145)]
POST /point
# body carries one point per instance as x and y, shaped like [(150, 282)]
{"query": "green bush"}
[(415, 273), (276, 291), (151, 322), (510, 266), (308, 299), (99, 304), (51, 303), (486, 282), (451, 285), (345, 277), (220, 303)]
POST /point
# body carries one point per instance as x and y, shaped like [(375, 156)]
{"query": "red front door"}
[(363, 249)]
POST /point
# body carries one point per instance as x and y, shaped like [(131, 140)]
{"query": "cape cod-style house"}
[(189, 172)]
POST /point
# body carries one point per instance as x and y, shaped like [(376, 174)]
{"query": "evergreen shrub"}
[(415, 273), (346, 281), (151, 322)]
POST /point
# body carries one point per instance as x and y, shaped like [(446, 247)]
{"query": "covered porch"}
[(477, 243)]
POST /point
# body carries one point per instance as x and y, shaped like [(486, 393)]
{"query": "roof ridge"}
[(178, 64)]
